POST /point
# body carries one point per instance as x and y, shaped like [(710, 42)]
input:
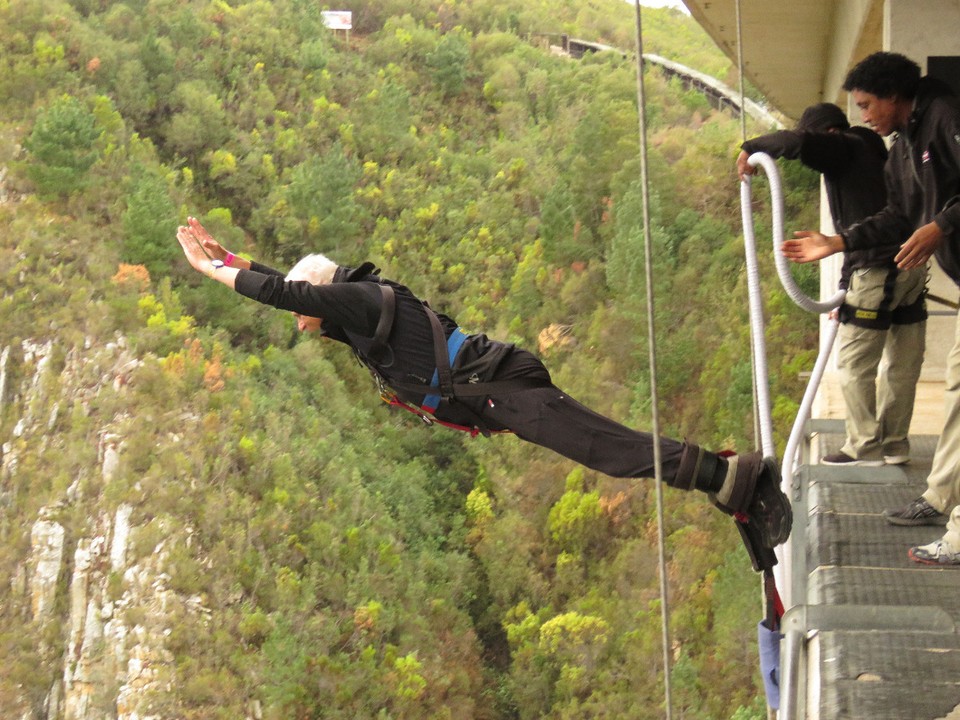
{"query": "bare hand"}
[(809, 246), (192, 249), (919, 247), (214, 249), (744, 168)]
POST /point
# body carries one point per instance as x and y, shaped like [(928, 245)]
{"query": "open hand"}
[(191, 244), (215, 250), (808, 246)]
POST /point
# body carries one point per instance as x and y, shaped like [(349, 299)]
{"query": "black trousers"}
[(549, 417)]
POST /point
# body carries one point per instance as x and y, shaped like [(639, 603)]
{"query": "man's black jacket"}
[(923, 179)]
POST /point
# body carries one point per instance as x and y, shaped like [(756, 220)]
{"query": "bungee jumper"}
[(422, 360)]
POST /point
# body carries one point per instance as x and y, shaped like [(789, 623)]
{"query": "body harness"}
[(883, 317), (442, 386)]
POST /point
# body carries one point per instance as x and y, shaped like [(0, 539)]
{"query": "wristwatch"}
[(217, 264)]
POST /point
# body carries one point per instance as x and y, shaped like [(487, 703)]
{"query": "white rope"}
[(806, 405), (651, 343), (783, 265), (758, 346), (756, 312), (753, 281)]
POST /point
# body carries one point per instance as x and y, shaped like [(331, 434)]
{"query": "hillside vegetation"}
[(297, 549)]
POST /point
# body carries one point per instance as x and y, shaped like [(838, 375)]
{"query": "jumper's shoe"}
[(841, 458), (936, 553), (919, 512), (752, 490), (896, 459), (770, 507)]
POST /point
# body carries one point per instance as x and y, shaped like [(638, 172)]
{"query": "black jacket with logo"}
[(923, 179)]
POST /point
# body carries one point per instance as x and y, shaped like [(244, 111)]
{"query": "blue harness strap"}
[(454, 343)]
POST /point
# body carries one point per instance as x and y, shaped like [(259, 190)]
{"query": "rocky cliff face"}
[(99, 618)]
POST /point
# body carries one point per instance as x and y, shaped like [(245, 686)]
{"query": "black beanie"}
[(822, 117)]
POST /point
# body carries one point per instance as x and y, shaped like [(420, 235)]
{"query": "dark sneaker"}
[(896, 459), (936, 553), (844, 459), (919, 512), (769, 509)]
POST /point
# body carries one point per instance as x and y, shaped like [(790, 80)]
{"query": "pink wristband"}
[(228, 260)]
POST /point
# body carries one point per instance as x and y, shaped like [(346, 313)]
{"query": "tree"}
[(316, 207), (449, 64), (149, 224), (61, 147), (384, 133), (557, 224), (199, 123)]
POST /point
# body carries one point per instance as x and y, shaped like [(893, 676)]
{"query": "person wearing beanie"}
[(883, 317)]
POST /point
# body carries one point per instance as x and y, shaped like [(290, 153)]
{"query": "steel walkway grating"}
[(883, 641)]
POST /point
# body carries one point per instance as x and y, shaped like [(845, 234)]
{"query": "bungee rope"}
[(783, 265), (790, 285)]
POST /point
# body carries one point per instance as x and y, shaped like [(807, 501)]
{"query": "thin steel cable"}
[(758, 420), (757, 430), (651, 343), (743, 106)]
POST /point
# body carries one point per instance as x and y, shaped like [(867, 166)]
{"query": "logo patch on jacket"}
[(925, 158)]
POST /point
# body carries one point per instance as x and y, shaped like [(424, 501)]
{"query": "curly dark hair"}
[(885, 74)]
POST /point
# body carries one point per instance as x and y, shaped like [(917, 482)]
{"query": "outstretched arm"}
[(808, 246), (201, 250)]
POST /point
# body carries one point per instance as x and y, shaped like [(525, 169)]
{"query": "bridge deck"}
[(884, 632)]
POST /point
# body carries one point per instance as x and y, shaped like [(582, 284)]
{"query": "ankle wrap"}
[(742, 474), (698, 469)]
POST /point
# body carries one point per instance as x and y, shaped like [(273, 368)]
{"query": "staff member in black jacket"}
[(472, 381), (883, 318), (922, 218)]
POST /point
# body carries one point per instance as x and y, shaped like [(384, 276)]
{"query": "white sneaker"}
[(936, 553), (896, 459)]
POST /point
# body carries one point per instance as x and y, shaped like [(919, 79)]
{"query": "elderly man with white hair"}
[(423, 361)]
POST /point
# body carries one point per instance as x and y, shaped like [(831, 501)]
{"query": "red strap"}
[(775, 608), (422, 414)]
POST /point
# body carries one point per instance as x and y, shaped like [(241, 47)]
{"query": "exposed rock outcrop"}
[(113, 610), (46, 561)]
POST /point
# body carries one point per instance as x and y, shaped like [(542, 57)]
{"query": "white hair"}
[(315, 269)]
